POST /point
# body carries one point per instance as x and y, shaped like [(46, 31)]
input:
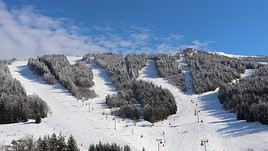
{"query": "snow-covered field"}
[(90, 122)]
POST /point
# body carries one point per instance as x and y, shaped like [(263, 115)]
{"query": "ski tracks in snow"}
[(188, 132), (69, 115)]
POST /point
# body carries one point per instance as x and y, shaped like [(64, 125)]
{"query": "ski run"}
[(199, 119)]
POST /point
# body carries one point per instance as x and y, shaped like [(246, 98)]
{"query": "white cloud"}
[(196, 44), (25, 32), (176, 37)]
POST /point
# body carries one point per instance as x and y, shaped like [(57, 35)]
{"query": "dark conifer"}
[(71, 144)]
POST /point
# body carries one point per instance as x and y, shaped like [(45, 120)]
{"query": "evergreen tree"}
[(57, 143), (210, 71), (76, 78), (126, 148), (71, 144), (167, 67), (30, 144), (61, 145), (15, 105), (148, 113), (53, 142), (248, 97), (3, 113), (38, 119), (42, 144)]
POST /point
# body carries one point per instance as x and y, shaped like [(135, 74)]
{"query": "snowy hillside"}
[(221, 128), (228, 55), (90, 121)]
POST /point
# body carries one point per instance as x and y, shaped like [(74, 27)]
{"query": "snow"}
[(186, 132), (69, 115), (186, 71), (239, 135), (180, 131), (220, 127), (248, 73), (229, 55), (73, 59), (263, 63)]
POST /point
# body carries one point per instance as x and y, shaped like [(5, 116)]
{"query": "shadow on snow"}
[(28, 74), (233, 127)]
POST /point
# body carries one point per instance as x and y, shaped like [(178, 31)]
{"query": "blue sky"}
[(232, 26)]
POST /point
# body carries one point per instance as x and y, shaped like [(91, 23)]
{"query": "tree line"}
[(257, 59), (15, 105), (108, 147), (210, 71), (142, 99), (115, 66), (77, 78), (248, 97), (168, 68), (134, 63), (88, 58), (135, 99), (58, 143), (121, 69)]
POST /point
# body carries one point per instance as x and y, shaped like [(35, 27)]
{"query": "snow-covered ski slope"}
[(69, 116), (184, 133), (219, 127), (90, 121)]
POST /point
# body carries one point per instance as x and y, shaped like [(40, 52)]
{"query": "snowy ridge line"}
[(229, 55)]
